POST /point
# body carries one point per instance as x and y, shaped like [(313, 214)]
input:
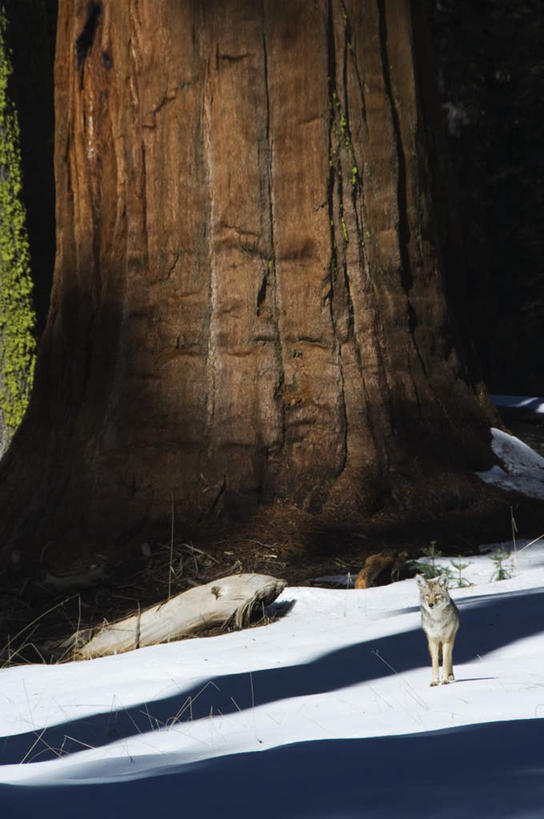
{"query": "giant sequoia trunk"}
[(248, 300)]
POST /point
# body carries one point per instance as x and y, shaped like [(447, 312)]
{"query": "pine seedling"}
[(502, 571), (460, 581), (430, 570)]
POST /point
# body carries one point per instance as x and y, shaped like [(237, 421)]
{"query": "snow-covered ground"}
[(521, 470), (326, 712)]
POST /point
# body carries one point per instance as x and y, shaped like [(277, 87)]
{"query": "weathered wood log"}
[(231, 598)]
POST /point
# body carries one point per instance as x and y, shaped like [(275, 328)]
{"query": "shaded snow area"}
[(520, 402), (522, 468), (327, 712)]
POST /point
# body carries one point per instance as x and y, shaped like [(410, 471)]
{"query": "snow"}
[(327, 712), (531, 404), (522, 468)]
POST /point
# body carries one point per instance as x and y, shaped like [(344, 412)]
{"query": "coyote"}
[(440, 621)]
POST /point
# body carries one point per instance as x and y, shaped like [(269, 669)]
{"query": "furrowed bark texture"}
[(248, 300)]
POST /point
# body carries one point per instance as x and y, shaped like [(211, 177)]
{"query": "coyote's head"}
[(433, 593)]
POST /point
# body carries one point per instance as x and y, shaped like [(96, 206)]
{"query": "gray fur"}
[(440, 621)]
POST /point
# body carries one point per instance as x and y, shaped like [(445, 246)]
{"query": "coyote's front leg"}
[(447, 662), (434, 651)]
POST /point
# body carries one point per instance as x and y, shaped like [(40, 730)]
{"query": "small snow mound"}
[(531, 404), (522, 468)]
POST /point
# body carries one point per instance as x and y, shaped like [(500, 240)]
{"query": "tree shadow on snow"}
[(488, 770), (487, 623)]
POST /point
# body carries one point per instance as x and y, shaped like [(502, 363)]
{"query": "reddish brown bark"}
[(248, 302)]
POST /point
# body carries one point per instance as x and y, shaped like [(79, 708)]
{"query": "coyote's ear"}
[(421, 582), (443, 581)]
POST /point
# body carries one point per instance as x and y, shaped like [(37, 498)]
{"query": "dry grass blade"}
[(78, 742), (170, 562), (11, 640), (38, 738), (188, 704), (531, 543)]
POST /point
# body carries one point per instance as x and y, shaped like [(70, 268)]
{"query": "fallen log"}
[(228, 600)]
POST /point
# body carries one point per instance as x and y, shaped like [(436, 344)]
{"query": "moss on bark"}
[(17, 318)]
